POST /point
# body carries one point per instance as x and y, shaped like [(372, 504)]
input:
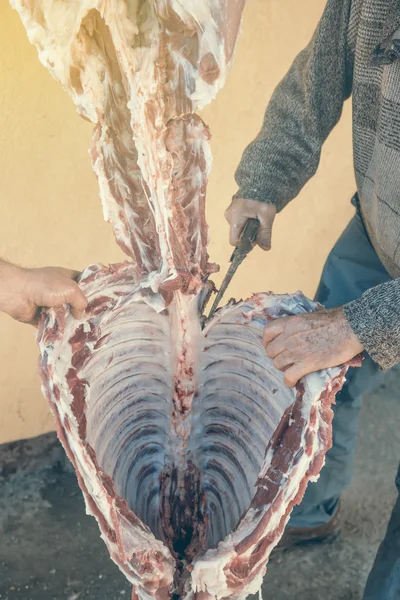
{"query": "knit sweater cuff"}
[(252, 193), (375, 319)]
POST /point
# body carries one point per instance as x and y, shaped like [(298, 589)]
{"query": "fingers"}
[(266, 218), (275, 347), (272, 331), (302, 344), (74, 274), (241, 210), (293, 367), (294, 373), (36, 318), (77, 301), (232, 215), (237, 215), (56, 286), (75, 298), (284, 360), (237, 226), (288, 326), (69, 273), (284, 347)]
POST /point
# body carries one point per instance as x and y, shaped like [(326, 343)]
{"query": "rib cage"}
[(232, 422), (128, 409), (188, 448)]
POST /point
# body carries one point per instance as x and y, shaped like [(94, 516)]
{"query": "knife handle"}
[(250, 231), (248, 238), (246, 242)]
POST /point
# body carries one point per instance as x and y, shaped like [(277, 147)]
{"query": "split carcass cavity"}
[(185, 438)]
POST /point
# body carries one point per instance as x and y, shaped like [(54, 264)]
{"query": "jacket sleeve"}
[(303, 110), (375, 318)]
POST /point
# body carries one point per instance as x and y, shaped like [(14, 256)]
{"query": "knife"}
[(244, 246)]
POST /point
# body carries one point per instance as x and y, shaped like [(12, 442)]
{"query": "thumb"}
[(77, 301), (70, 273), (237, 217)]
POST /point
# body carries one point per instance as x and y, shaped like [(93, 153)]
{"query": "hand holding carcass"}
[(23, 292), (241, 210), (306, 343)]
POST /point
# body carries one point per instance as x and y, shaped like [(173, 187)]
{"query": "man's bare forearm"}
[(23, 292), (11, 284)]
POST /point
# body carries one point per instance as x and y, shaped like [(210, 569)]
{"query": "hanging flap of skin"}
[(139, 69)]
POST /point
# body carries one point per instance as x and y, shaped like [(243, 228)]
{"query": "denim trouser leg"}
[(384, 580), (351, 268)]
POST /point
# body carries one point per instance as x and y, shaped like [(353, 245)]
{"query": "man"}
[(23, 292), (354, 51)]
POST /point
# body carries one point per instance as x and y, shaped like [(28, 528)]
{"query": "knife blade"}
[(245, 244)]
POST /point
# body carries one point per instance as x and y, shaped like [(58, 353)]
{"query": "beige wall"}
[(51, 213)]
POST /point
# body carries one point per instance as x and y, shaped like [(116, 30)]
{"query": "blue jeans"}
[(384, 580), (351, 268)]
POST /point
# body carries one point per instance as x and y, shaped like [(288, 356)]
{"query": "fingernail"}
[(265, 246)]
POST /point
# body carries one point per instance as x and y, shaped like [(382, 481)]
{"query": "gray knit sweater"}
[(351, 53)]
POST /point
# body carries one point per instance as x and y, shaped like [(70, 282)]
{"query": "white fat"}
[(241, 325), (213, 580), (59, 360)]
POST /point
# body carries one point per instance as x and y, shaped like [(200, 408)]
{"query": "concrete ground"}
[(50, 550)]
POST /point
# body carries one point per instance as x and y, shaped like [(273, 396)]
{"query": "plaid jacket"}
[(354, 51)]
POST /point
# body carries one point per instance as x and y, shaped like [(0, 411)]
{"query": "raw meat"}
[(139, 69), (189, 449)]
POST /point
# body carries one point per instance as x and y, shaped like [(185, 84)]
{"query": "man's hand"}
[(241, 210), (23, 292), (302, 344)]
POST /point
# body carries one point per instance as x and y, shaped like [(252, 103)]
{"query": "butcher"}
[(23, 292), (355, 51)]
